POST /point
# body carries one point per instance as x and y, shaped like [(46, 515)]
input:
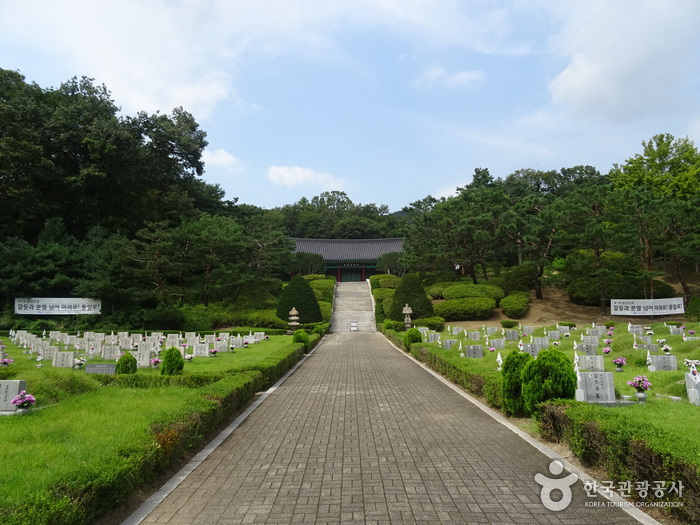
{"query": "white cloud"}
[(436, 76), (626, 59), (220, 158), (291, 176)]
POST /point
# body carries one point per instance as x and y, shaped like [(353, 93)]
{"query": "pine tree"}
[(411, 292), (298, 294)]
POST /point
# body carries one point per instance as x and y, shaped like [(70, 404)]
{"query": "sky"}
[(388, 101)]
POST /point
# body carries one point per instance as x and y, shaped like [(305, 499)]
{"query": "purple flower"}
[(641, 383), (492, 349), (607, 350), (23, 400), (619, 361)]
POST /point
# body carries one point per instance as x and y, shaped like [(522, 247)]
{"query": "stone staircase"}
[(353, 308)]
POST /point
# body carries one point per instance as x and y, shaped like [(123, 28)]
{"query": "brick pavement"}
[(362, 434)]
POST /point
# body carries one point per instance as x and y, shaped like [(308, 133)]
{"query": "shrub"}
[(584, 291), (173, 362), (509, 324), (323, 289), (374, 280), (434, 323), (410, 292), (383, 293), (320, 329), (513, 403), (515, 306), (389, 281), (468, 309), (163, 319), (692, 310), (314, 277), (300, 336), (379, 314), (518, 279), (127, 364), (460, 291), (437, 290), (298, 294), (260, 319), (326, 310), (388, 324), (550, 376), (411, 336)]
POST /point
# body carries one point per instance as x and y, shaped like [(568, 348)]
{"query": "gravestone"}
[(596, 387), (111, 352), (528, 329), (554, 335), (564, 329), (542, 341), (101, 368), (598, 331), (258, 336), (8, 390), (210, 339), (676, 330), (652, 348), (691, 387), (532, 348), (143, 358), (498, 344), (236, 342), (490, 330), (433, 337), (592, 363), (590, 340), (63, 359), (456, 330), (588, 349), (449, 343), (636, 329), (645, 339), (423, 330), (691, 338), (201, 350), (474, 336), (474, 351), (512, 335), (663, 362)]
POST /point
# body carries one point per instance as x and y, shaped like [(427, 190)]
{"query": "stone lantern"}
[(293, 321), (407, 313)]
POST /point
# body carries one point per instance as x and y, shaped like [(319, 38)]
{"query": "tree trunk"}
[(681, 279), (539, 272)]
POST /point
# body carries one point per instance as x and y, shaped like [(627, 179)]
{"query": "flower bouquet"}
[(155, 362), (213, 352), (6, 361), (640, 383), (619, 362), (23, 400), (607, 350)]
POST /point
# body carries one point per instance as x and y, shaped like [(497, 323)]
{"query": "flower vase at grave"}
[(618, 369), (21, 411), (641, 396)]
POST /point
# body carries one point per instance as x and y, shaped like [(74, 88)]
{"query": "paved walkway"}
[(360, 433), (353, 304)]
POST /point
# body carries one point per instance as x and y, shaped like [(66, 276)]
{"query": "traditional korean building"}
[(350, 259)]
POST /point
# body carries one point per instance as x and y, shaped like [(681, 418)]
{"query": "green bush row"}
[(629, 446), (460, 291), (468, 309), (584, 291), (516, 305)]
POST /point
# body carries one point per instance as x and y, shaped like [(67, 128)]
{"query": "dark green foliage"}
[(585, 291), (383, 293), (437, 290), (509, 324), (127, 364), (388, 324), (550, 376), (411, 336), (468, 309), (173, 362), (300, 336), (518, 279), (163, 319), (434, 323), (379, 314), (513, 402), (389, 281), (410, 292), (692, 310), (460, 291), (323, 288), (259, 319), (320, 329), (298, 294), (515, 306), (392, 263)]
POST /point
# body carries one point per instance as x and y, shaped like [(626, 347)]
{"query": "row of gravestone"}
[(599, 387)]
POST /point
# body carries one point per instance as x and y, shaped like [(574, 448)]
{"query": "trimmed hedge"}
[(516, 305), (460, 291), (468, 309), (435, 323), (410, 292), (298, 294), (629, 446), (585, 291), (324, 289)]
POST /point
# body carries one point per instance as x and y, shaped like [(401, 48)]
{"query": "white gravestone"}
[(691, 387), (663, 362), (512, 335), (474, 336), (532, 348), (554, 335), (433, 337), (498, 344), (64, 359), (8, 390), (592, 363), (456, 330), (490, 330), (474, 351), (596, 387), (587, 349), (449, 343)]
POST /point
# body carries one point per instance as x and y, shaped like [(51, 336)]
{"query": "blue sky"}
[(387, 100)]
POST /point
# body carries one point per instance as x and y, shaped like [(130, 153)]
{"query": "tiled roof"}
[(349, 250)]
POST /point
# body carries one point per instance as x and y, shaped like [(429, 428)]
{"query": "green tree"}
[(550, 376), (298, 294), (513, 402), (173, 362), (411, 292)]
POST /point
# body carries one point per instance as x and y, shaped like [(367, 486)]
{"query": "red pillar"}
[(338, 278), (363, 272)]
